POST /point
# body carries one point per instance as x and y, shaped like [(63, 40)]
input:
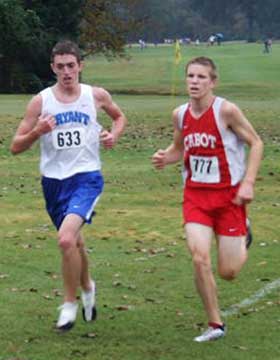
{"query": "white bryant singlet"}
[(73, 146)]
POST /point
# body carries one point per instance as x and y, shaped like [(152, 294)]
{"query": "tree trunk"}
[(251, 37), (5, 74)]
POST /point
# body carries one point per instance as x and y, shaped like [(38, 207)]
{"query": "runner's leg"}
[(199, 238)]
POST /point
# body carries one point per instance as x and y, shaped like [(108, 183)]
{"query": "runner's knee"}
[(227, 273), (66, 241), (201, 261)]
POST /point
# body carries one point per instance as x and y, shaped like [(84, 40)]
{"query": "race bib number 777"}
[(205, 169)]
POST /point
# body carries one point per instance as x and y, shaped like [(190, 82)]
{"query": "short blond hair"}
[(204, 61)]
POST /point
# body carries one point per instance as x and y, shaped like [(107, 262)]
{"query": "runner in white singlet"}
[(64, 118)]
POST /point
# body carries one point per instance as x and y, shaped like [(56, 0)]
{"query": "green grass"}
[(136, 246), (245, 71)]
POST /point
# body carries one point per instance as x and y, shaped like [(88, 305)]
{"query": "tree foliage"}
[(236, 19), (20, 31), (106, 24), (29, 29), (59, 18)]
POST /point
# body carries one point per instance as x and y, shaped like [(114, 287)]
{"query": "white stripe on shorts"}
[(89, 213)]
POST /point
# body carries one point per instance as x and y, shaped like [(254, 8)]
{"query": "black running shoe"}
[(249, 236)]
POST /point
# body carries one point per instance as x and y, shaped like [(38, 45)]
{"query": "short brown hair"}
[(205, 61), (66, 47)]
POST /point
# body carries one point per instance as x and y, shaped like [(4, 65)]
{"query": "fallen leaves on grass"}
[(123, 307), (149, 271), (150, 300), (57, 292), (170, 255), (33, 290), (29, 340), (179, 313), (51, 274), (3, 276), (75, 353), (151, 252), (26, 246), (262, 263), (89, 335), (239, 347)]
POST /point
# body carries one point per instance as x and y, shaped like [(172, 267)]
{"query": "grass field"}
[(148, 306)]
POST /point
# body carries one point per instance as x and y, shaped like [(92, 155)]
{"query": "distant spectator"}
[(270, 44), (142, 44), (267, 46), (168, 41), (197, 42), (211, 40), (186, 41), (219, 37)]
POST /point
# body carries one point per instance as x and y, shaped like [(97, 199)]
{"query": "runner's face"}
[(199, 81), (67, 69)]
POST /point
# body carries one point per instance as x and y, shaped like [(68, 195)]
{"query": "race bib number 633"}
[(68, 138)]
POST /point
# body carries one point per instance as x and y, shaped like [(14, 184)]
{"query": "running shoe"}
[(212, 333), (88, 299), (249, 236), (67, 316)]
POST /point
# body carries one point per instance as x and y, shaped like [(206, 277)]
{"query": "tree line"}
[(237, 19), (29, 29)]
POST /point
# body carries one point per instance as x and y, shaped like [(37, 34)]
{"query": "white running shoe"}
[(67, 316), (211, 334), (88, 299)]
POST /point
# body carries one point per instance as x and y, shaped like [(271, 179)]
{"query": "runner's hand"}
[(45, 124), (107, 139), (245, 193), (159, 159)]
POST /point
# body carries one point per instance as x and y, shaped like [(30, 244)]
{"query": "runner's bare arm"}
[(32, 126), (174, 152), (104, 101), (236, 120)]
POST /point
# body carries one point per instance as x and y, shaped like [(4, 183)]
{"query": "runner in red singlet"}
[(210, 134)]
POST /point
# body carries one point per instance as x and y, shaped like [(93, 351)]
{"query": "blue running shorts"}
[(77, 194)]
